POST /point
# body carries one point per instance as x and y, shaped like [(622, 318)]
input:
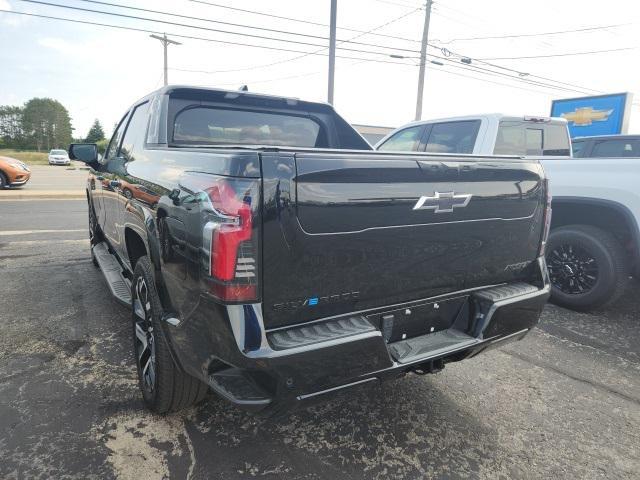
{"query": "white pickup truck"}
[(595, 240)]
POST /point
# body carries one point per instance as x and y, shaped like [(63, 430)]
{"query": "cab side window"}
[(578, 149), (407, 140), (115, 140), (616, 148), (453, 137), (133, 140)]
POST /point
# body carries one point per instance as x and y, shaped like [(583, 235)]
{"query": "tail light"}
[(546, 219), (229, 209)]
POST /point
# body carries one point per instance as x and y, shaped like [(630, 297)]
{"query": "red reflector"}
[(228, 236), (233, 293)]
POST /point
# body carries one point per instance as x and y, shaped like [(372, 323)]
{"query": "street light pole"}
[(423, 59), (165, 43), (332, 48)]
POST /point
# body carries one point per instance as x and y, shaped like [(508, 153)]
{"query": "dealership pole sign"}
[(597, 115)]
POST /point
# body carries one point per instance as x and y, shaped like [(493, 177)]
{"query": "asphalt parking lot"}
[(563, 403)]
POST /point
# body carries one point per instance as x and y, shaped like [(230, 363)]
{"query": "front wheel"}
[(165, 387), (3, 181), (587, 267)]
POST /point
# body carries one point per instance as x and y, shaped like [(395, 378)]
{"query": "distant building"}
[(372, 133)]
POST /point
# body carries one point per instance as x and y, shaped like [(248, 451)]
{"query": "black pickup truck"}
[(267, 253)]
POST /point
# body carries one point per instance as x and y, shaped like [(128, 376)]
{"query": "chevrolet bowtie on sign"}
[(587, 115), (443, 202)]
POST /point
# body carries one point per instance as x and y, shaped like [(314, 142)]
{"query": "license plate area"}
[(408, 322)]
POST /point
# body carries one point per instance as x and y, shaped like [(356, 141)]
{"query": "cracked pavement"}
[(562, 403)]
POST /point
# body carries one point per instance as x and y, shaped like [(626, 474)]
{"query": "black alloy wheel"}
[(145, 345), (165, 386), (94, 234), (572, 269), (588, 267)]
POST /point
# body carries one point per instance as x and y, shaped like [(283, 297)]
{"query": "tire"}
[(3, 181), (164, 386), (587, 267), (128, 194), (95, 235)]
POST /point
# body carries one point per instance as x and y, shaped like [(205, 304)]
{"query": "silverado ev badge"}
[(443, 202)]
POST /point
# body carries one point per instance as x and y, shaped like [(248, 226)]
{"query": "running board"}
[(112, 270)]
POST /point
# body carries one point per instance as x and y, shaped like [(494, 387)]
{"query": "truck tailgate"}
[(348, 231)]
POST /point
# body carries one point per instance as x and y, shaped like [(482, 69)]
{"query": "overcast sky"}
[(97, 72)]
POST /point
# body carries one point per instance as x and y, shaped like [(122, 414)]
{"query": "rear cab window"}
[(522, 137), (209, 125)]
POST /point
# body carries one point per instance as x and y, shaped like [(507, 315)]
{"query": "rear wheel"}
[(587, 267), (3, 180), (165, 387), (94, 233)]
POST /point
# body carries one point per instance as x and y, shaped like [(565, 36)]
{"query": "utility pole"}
[(423, 58), (332, 48), (165, 43)]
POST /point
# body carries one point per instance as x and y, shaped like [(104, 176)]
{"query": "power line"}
[(296, 57), (362, 33), (485, 71), (299, 20), (540, 34), (519, 72), (252, 27), (397, 4), (305, 53), (193, 37), (262, 37), (570, 54)]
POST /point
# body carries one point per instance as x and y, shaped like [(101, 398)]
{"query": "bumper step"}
[(504, 292), (120, 287), (321, 332), (232, 385), (431, 345)]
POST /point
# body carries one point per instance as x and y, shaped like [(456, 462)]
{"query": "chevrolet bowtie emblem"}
[(443, 202), (586, 115)]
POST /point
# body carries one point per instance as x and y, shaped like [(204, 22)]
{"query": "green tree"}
[(96, 133), (46, 124), (102, 145), (11, 133)]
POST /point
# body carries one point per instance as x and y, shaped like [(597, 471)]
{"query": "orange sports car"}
[(13, 173)]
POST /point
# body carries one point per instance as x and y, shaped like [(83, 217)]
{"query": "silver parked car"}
[(59, 157)]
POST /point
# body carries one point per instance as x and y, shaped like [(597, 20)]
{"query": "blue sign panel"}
[(598, 115)]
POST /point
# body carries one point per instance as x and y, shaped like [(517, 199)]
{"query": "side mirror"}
[(85, 152)]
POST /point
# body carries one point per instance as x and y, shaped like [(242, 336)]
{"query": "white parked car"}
[(59, 157), (595, 237)]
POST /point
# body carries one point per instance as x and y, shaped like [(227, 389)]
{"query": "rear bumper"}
[(303, 364)]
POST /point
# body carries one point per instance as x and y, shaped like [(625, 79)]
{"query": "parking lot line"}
[(29, 232), (43, 242)]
